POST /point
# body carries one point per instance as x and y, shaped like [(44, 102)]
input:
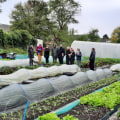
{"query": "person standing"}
[(61, 54), (72, 57), (46, 54), (31, 55), (78, 57), (92, 59), (54, 53), (39, 50), (68, 55)]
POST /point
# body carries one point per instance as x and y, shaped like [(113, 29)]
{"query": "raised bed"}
[(53, 103)]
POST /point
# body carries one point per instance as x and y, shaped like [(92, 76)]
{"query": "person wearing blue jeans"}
[(78, 57)]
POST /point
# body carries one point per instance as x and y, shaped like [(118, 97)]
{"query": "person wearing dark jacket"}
[(61, 54), (46, 54), (54, 53), (78, 57), (72, 57), (31, 55), (68, 55), (92, 59)]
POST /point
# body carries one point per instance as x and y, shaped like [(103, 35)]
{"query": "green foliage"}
[(53, 116), (18, 38), (12, 50), (2, 38), (93, 35), (31, 16), (68, 117), (44, 20), (62, 13), (115, 37), (109, 97), (49, 116), (118, 113), (83, 37)]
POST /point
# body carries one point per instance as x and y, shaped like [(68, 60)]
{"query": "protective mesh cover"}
[(115, 67), (25, 74), (103, 50), (92, 75), (100, 74), (108, 72), (14, 63), (17, 62), (80, 78), (16, 95)]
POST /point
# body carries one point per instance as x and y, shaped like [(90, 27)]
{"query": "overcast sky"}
[(101, 14)]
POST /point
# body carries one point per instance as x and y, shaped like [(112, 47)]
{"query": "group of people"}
[(60, 53)]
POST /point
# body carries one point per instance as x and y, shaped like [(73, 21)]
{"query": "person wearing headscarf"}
[(46, 54), (31, 55), (68, 55), (92, 59), (61, 54), (72, 56), (39, 50)]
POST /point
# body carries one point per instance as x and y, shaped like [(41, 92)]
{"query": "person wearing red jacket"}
[(39, 50)]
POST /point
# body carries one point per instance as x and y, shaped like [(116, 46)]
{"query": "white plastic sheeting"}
[(115, 68), (16, 63), (103, 50), (25, 74), (16, 94)]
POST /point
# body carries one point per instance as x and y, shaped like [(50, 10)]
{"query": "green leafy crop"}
[(49, 116), (109, 97), (53, 116)]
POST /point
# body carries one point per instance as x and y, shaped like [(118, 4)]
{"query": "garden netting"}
[(17, 94), (18, 62), (103, 50), (25, 74)]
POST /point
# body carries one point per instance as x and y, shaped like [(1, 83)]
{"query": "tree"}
[(62, 13), (115, 38), (20, 38), (32, 16), (83, 37), (93, 35), (105, 37), (2, 38)]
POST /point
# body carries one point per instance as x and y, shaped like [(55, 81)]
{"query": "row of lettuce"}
[(53, 116)]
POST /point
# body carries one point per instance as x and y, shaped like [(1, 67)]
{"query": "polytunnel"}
[(25, 74), (16, 95), (103, 50)]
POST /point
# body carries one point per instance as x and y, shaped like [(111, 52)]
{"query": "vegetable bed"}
[(48, 105), (96, 106)]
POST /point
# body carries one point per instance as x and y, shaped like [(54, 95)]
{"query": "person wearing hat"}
[(46, 54), (72, 57), (31, 55), (68, 55), (61, 54), (54, 53)]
